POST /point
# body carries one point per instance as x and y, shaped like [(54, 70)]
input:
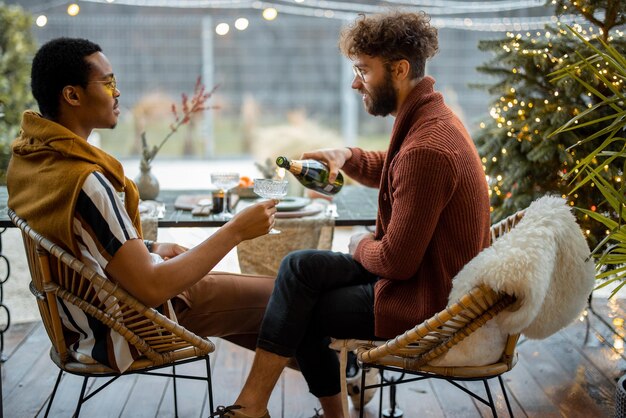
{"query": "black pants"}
[(318, 295)]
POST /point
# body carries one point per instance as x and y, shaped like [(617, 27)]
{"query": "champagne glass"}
[(271, 189), (225, 182)]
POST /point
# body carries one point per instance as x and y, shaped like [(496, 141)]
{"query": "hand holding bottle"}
[(334, 158), (315, 174)]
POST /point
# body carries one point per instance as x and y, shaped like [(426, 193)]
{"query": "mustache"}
[(116, 105)]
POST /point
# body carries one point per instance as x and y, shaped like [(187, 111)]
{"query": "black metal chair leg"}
[(175, 393), (80, 398), (54, 392), (492, 405), (393, 411), (506, 397), (209, 383), (362, 393), (380, 404)]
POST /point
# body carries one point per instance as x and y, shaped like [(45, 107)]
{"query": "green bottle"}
[(312, 174)]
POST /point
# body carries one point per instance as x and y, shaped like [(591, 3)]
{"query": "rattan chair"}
[(162, 342), (411, 352)]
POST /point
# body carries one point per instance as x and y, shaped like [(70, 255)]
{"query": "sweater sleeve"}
[(422, 183), (366, 167)]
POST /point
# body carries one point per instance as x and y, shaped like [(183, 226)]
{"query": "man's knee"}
[(297, 262), (314, 269)]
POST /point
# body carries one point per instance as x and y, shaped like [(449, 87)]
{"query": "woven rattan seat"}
[(162, 342), (411, 352)]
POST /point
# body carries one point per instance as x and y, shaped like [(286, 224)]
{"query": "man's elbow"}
[(151, 298), (401, 270), (403, 274)]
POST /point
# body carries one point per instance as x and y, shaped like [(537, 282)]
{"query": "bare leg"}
[(332, 406), (264, 373)]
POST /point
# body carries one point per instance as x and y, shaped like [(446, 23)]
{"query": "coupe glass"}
[(271, 189), (225, 182)]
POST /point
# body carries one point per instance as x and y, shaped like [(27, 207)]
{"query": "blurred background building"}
[(280, 80)]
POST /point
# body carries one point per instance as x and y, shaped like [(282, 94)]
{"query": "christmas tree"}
[(17, 47), (521, 161)]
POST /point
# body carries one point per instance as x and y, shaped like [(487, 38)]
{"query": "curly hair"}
[(59, 63), (392, 36)]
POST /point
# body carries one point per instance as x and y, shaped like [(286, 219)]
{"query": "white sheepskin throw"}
[(544, 262)]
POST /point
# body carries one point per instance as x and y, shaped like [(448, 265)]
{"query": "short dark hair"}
[(392, 36), (59, 63)]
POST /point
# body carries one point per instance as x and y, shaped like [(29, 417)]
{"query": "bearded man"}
[(433, 217)]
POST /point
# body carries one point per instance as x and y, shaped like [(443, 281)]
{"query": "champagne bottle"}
[(312, 174)]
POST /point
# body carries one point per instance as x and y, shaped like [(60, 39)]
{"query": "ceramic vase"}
[(147, 183)]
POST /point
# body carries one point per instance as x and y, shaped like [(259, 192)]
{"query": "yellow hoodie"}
[(46, 173)]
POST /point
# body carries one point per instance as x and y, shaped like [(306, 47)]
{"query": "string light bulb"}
[(41, 21), (222, 29), (270, 13), (73, 9), (241, 23)]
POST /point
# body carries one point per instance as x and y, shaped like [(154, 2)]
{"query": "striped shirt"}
[(101, 226)]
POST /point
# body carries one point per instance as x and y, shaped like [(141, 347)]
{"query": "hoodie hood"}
[(45, 175), (40, 137)]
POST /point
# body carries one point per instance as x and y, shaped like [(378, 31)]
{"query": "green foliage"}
[(17, 47), (606, 121), (521, 159)]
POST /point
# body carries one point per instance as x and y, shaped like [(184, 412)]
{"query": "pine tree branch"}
[(588, 15), (610, 18)]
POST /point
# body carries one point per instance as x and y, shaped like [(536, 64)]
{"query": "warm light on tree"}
[(522, 162)]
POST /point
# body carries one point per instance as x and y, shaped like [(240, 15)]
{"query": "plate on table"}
[(309, 210), (190, 201), (291, 203), (151, 209)]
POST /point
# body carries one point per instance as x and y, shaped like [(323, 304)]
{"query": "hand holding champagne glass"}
[(271, 189)]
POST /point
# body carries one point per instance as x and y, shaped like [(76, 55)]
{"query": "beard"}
[(384, 98)]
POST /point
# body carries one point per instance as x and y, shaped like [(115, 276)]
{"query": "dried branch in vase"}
[(182, 116)]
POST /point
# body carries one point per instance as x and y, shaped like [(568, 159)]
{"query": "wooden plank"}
[(565, 389), (559, 376), (19, 365), (454, 402), (31, 391), (297, 400), (166, 407), (192, 394), (229, 369), (497, 395), (16, 335), (517, 408), (66, 397), (605, 360), (525, 389), (577, 368), (146, 396), (415, 399), (110, 402)]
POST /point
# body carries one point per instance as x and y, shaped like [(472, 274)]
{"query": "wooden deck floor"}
[(561, 376)]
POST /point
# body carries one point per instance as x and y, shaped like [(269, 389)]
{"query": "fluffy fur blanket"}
[(544, 262)]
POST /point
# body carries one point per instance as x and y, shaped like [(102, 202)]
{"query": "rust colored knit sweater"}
[(433, 210)]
